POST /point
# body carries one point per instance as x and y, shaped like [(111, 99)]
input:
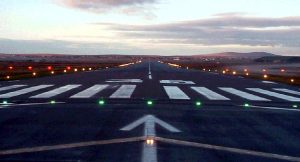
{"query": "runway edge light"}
[(4, 102), (101, 102), (198, 103), (149, 103), (246, 105)]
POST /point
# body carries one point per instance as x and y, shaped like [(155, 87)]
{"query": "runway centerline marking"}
[(125, 91), (149, 73), (57, 91), (242, 94), (176, 93), (209, 93), (90, 91), (275, 94), (24, 91)]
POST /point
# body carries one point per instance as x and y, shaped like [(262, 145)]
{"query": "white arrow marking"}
[(150, 151)]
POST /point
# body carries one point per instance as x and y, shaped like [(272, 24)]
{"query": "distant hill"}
[(116, 57), (279, 59), (252, 55)]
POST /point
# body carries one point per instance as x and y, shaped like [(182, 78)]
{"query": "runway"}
[(218, 117)]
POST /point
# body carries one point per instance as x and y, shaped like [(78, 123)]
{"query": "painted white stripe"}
[(56, 91), (90, 91), (124, 81), (175, 93), (274, 108), (125, 91), (149, 153), (209, 93), (23, 91), (11, 87), (269, 82), (242, 94), (287, 91), (274, 94), (176, 82)]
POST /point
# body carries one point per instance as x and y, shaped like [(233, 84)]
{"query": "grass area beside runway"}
[(265, 72), (25, 70)]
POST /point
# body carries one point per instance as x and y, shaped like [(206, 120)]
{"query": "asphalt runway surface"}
[(59, 118)]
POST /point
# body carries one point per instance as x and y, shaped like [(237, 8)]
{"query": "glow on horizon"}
[(117, 27)]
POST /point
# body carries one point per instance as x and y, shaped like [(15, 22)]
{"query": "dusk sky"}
[(164, 27)]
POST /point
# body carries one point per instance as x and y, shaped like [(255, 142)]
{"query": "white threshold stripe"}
[(125, 91), (287, 91), (274, 94), (274, 108), (11, 87), (175, 93), (211, 95), (56, 91), (24, 91), (90, 91), (242, 94)]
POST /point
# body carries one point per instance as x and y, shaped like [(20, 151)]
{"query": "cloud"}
[(60, 47), (222, 29), (128, 7)]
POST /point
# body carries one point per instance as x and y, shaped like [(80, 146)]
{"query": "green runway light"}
[(149, 103), (295, 106), (4, 102), (52, 102), (246, 105), (198, 103), (101, 102)]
